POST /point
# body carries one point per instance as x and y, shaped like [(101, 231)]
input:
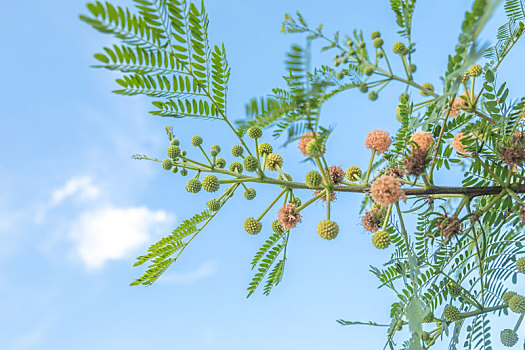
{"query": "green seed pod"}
[(265, 149), (353, 173), (475, 70), (372, 96), (184, 171), (167, 164), (362, 45), (412, 68), (175, 142), (378, 42), (196, 141), (363, 88), (313, 179), (454, 289), (429, 317), (236, 167), (508, 337), (255, 132), (237, 150), (220, 163), (250, 163), (193, 186), (173, 152), (376, 34), (277, 227), (452, 313), (520, 265), (252, 226), (507, 296), (213, 205), (315, 148), (340, 75), (174, 170), (210, 183), (327, 229), (250, 194), (427, 86), (399, 48), (381, 239), (274, 161), (369, 70), (517, 304)]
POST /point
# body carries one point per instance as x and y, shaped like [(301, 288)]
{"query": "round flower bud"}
[(213, 205), (465, 77), (363, 88), (297, 202), (378, 42), (184, 171), (288, 178), (210, 183), (313, 179), (175, 142), (508, 337), (353, 172), (327, 229), (337, 62), (380, 54), (340, 75), (250, 194), (173, 152), (452, 313), (193, 186), (215, 150), (315, 148), (196, 141), (373, 95), (274, 161), (375, 34), (362, 45), (369, 70), (381, 239), (255, 132), (167, 164), (429, 317), (475, 70), (454, 289), (220, 163), (507, 296), (277, 227), (250, 163), (174, 170), (252, 226), (399, 48), (183, 153), (427, 86), (237, 150), (265, 149), (425, 337), (517, 304), (520, 265), (345, 59), (412, 68), (236, 167)]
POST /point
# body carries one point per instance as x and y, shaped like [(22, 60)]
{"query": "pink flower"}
[(378, 140), (287, 216), (423, 139), (303, 142), (323, 197), (336, 174), (387, 190), (456, 143)]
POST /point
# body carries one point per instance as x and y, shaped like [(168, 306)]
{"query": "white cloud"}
[(112, 233), (205, 270)]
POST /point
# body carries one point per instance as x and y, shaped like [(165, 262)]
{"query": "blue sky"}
[(75, 209)]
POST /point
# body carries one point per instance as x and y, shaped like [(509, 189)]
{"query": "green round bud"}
[(215, 150), (210, 183), (465, 77), (399, 48), (196, 141), (274, 161), (345, 60), (288, 178), (327, 229), (236, 167), (167, 164), (452, 313), (193, 186), (362, 45), (427, 86), (372, 96), (250, 193), (184, 171), (378, 42), (380, 54), (353, 173), (250, 163), (376, 34), (429, 317), (454, 289), (237, 150), (340, 75), (363, 88), (475, 70), (296, 201), (315, 148), (213, 205), (517, 304), (412, 68), (369, 70), (265, 149), (425, 337), (183, 153), (174, 170), (508, 337), (175, 142), (173, 152), (381, 239), (277, 227), (313, 179), (255, 132), (252, 226), (220, 163), (507, 296), (520, 265)]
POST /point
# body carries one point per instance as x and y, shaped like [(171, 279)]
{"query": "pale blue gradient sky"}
[(66, 176)]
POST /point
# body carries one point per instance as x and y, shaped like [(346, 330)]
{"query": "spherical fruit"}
[(452, 313), (520, 265), (327, 229), (167, 164), (184, 172), (274, 161), (373, 95), (175, 142), (213, 204), (399, 48), (236, 167), (475, 70), (173, 151), (353, 173), (381, 239), (429, 317), (250, 163), (454, 289), (255, 132), (369, 71), (210, 183), (517, 304), (196, 141), (313, 179), (412, 68), (250, 194), (237, 150), (378, 42), (193, 186), (252, 226), (507, 296), (220, 163), (375, 34), (315, 148), (265, 149), (277, 227), (508, 337), (363, 88)]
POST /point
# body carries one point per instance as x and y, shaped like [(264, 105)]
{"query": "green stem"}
[(208, 159), (272, 204), (313, 199), (370, 166)]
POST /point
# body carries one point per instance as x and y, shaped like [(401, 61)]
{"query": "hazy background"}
[(75, 209)]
